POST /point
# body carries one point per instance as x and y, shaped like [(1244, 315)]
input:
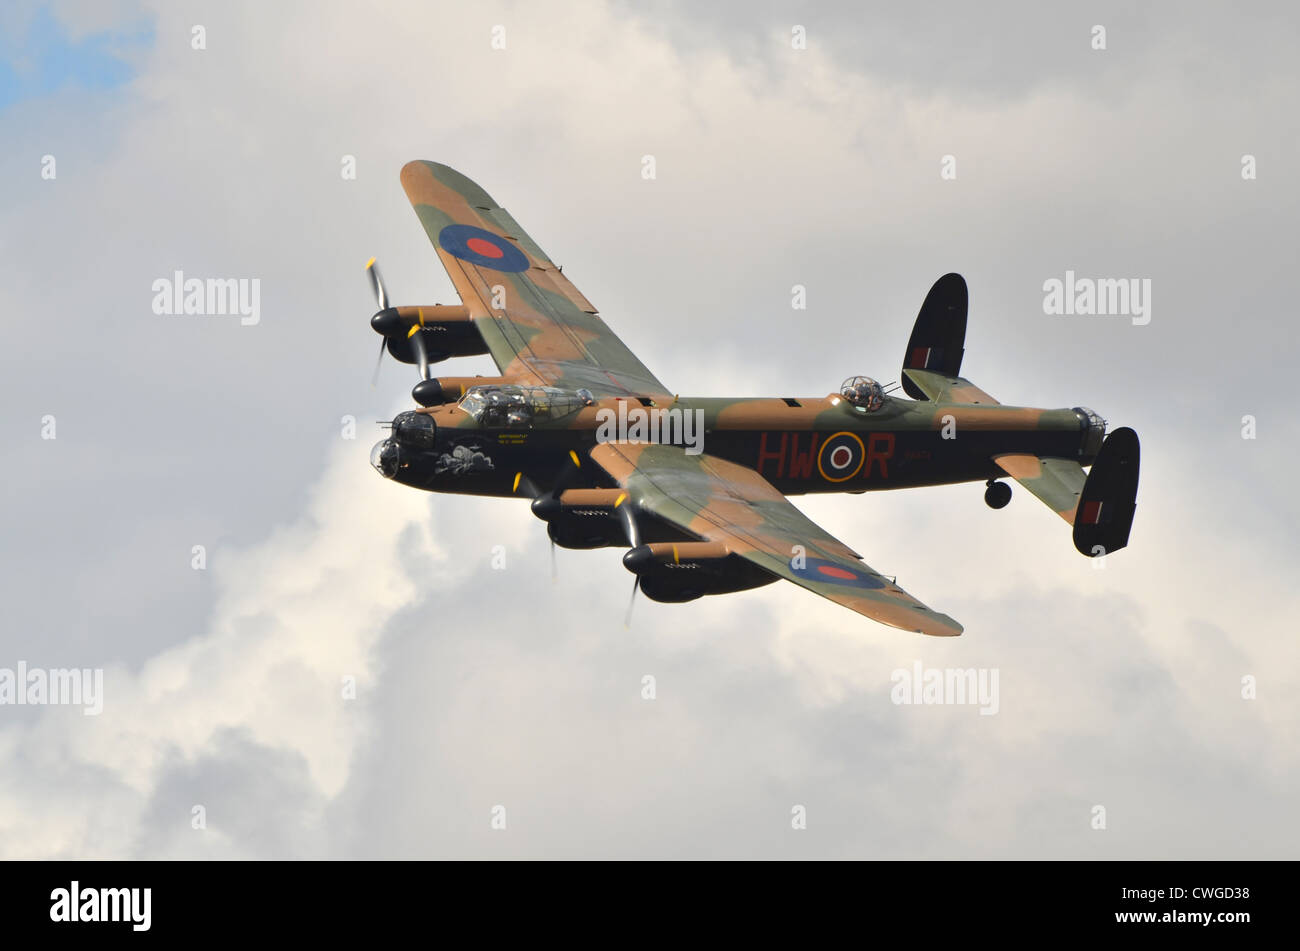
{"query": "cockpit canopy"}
[(515, 406), (863, 392)]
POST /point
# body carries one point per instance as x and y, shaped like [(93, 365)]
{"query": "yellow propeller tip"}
[(370, 264)]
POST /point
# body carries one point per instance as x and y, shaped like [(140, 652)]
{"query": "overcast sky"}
[(479, 687)]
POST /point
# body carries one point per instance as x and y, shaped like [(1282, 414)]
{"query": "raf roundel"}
[(840, 458), (818, 569), (482, 248)]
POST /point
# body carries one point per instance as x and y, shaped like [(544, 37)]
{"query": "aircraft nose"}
[(385, 457)]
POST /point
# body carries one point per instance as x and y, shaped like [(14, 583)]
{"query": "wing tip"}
[(947, 628), (414, 168), (927, 621), (417, 170)]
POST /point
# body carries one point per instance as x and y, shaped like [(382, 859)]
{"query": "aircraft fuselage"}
[(801, 446)]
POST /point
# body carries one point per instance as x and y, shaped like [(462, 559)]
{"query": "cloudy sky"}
[(478, 686)]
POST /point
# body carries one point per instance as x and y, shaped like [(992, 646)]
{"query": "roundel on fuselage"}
[(840, 458)]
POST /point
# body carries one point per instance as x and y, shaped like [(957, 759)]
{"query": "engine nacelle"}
[(583, 518), (449, 389), (448, 331), (674, 572)]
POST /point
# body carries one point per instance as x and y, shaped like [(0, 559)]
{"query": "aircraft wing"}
[(538, 327), (720, 501), (1057, 482)]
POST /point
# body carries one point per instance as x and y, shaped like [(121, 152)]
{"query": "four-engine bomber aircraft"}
[(696, 488)]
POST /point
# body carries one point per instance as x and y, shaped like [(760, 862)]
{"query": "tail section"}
[(1109, 498)]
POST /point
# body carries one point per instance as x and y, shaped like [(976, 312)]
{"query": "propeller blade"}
[(421, 356), (377, 284), (624, 508), (374, 377), (525, 486), (553, 574), (636, 586), (566, 474)]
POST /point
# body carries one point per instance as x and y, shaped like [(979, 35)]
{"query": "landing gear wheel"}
[(997, 495)]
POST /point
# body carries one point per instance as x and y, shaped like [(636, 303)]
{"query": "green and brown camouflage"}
[(792, 442), (538, 327), (696, 487), (733, 506)]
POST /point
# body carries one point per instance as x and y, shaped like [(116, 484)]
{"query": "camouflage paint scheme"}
[(548, 333), (725, 508), (723, 502)]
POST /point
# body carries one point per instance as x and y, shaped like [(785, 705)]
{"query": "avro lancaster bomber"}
[(696, 488)]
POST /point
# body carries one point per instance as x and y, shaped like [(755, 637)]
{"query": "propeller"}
[(381, 298), (562, 480), (387, 321), (546, 505), (416, 336), (377, 284), (525, 486), (388, 324), (374, 377), (565, 476), (636, 586), (624, 508)]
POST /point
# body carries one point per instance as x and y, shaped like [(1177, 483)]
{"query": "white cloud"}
[(294, 615)]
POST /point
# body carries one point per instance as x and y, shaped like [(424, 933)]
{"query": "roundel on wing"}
[(841, 457), (482, 248), (818, 569)]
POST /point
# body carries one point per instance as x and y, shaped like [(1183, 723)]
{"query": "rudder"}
[(1109, 498), (939, 334)]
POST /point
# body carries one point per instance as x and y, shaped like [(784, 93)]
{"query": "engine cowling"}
[(447, 330), (449, 389), (674, 572), (583, 518)]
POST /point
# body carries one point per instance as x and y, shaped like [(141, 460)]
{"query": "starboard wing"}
[(721, 501)]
